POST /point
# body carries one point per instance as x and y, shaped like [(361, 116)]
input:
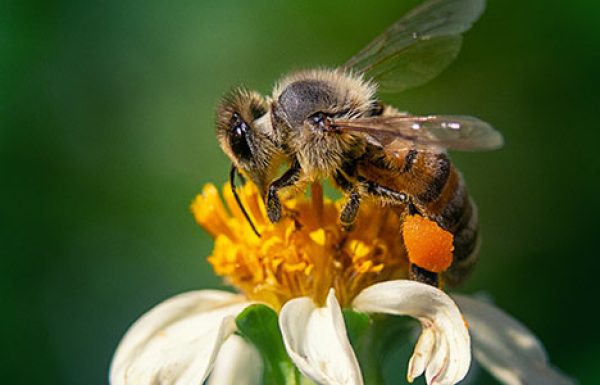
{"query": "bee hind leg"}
[(419, 274)]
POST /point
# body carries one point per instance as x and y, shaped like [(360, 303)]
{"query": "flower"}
[(306, 268), (305, 254)]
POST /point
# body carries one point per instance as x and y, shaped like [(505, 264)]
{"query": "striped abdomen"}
[(437, 191)]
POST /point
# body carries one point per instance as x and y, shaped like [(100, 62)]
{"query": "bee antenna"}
[(232, 174)]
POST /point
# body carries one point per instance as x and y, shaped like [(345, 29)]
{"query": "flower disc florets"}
[(306, 253)]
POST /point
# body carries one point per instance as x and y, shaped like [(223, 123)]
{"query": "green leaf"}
[(374, 337), (258, 324), (356, 323)]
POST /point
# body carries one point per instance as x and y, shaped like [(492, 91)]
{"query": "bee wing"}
[(398, 132), (419, 46)]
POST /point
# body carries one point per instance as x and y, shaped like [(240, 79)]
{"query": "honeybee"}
[(328, 123)]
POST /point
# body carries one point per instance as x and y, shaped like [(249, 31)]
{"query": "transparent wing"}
[(418, 46), (404, 131)]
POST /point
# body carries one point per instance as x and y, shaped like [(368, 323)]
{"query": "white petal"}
[(238, 363), (176, 342), (316, 340), (420, 358), (443, 350), (506, 348)]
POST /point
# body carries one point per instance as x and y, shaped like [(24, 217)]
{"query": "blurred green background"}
[(106, 134)]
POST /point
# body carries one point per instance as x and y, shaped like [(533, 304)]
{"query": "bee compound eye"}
[(238, 138)]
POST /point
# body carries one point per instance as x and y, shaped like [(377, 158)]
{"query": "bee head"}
[(244, 134)]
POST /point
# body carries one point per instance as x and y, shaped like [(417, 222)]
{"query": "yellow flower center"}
[(306, 253)]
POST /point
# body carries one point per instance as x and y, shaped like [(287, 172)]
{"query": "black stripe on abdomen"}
[(460, 217), (434, 188), (466, 245)]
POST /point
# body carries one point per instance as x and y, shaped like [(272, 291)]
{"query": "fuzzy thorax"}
[(298, 102), (322, 154)]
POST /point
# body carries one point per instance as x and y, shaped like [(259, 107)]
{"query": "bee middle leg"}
[(355, 191), (289, 178), (352, 204), (377, 190)]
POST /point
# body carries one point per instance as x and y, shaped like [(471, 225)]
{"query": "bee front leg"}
[(350, 210), (289, 178)]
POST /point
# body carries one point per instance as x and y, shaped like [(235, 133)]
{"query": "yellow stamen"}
[(306, 253)]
